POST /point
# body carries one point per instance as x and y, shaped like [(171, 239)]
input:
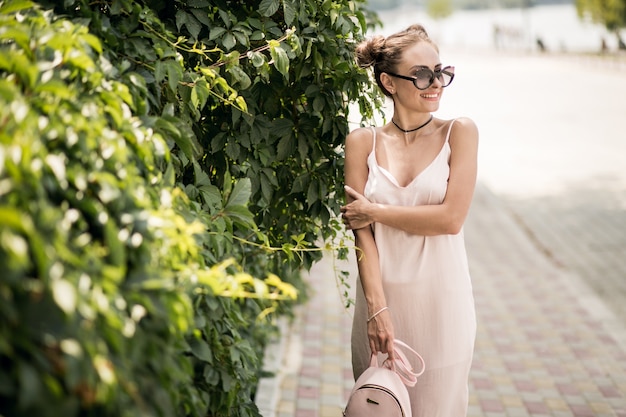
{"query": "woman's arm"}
[(427, 220), (379, 330)]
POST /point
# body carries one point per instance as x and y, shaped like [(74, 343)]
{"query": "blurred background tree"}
[(610, 13), (439, 9)]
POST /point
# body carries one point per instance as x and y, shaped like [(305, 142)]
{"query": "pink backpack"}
[(380, 391)]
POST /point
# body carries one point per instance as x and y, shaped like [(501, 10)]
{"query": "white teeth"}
[(429, 95)]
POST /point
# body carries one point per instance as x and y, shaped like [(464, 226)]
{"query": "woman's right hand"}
[(355, 215), (380, 334)]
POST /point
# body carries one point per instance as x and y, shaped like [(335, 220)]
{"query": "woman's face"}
[(419, 56)]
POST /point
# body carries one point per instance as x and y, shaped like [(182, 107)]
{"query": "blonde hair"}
[(385, 53)]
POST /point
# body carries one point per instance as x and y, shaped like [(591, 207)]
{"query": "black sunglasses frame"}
[(434, 74)]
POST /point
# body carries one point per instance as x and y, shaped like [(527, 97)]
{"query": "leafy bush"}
[(248, 89), (155, 157), (102, 256)]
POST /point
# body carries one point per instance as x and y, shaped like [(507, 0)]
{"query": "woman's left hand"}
[(356, 215)]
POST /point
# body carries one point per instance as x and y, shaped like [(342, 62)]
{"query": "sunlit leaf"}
[(64, 295), (281, 60)]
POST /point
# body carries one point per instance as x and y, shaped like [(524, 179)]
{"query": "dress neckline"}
[(390, 176)]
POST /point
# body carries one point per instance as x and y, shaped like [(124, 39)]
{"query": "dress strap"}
[(450, 130), (373, 137)]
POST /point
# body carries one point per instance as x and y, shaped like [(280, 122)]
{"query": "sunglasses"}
[(425, 77)]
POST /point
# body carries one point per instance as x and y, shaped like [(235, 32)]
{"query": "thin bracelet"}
[(377, 313)]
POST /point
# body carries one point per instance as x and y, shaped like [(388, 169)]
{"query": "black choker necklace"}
[(412, 130)]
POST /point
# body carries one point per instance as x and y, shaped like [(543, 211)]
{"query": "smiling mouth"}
[(430, 95)]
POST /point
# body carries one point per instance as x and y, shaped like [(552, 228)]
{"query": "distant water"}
[(558, 27)]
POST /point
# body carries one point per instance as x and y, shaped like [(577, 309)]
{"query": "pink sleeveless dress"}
[(428, 290)]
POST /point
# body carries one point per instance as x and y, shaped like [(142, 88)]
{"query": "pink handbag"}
[(381, 391)]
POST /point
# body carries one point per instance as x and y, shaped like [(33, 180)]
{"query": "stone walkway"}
[(546, 344)]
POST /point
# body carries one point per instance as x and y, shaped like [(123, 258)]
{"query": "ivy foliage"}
[(155, 157), (108, 303), (248, 89)]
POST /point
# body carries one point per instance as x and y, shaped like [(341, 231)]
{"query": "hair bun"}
[(369, 51)]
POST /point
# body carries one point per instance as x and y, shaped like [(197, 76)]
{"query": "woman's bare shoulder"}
[(360, 138), (464, 124), (361, 133), (463, 129)]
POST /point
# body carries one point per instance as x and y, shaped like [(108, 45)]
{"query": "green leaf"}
[(211, 195), (290, 12), (201, 177), (312, 194), (200, 93), (199, 4), (282, 127), (229, 41), (242, 36), (257, 58), (267, 188), (281, 60), (201, 14), (240, 194), (167, 128), (240, 77), (226, 17), (56, 87), (268, 7), (228, 183), (201, 350), (11, 217), (17, 35), (241, 216), (318, 103), (159, 71), (241, 103), (174, 74), (92, 41), (303, 146), (216, 32), (232, 150), (22, 67), (7, 7), (181, 19), (285, 148), (300, 183)]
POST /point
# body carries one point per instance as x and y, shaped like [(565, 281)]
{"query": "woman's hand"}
[(357, 214), (380, 334)]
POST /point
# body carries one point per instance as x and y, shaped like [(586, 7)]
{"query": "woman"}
[(409, 186)]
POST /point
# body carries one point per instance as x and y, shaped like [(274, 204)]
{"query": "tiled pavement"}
[(546, 344)]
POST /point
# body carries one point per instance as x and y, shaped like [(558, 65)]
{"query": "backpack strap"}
[(401, 365)]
